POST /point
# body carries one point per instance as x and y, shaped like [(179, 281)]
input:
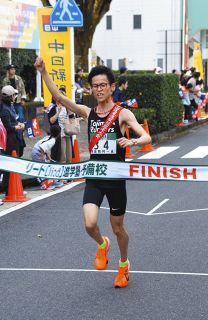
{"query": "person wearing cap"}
[(17, 83), (13, 127)]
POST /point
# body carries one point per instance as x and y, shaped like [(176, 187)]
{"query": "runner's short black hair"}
[(96, 71)]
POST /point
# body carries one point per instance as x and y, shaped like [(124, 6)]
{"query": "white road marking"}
[(160, 213), (44, 196), (106, 271), (181, 211), (158, 153), (198, 153), (157, 206)]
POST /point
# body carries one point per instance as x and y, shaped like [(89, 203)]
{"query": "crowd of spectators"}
[(56, 147), (190, 92)]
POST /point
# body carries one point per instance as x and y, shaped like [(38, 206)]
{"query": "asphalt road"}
[(46, 266)]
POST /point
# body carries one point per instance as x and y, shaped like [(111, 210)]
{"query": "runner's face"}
[(101, 87)]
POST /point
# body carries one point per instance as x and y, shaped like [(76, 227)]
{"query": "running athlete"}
[(110, 147)]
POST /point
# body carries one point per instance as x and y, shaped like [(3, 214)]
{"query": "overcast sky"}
[(33, 2)]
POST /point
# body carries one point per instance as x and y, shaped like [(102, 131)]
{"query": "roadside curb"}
[(178, 131)]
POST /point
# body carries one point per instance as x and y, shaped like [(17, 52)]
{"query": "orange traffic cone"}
[(15, 189), (128, 153), (199, 113), (180, 124), (147, 147), (76, 155)]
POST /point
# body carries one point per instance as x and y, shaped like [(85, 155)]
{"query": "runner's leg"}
[(121, 234), (91, 211)]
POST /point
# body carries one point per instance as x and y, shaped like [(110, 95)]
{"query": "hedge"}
[(158, 93)]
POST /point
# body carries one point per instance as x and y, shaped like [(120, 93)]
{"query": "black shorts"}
[(115, 191)]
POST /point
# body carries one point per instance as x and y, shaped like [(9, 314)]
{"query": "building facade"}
[(141, 34), (198, 31)]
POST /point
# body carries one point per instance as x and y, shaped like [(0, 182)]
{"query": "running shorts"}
[(114, 190)]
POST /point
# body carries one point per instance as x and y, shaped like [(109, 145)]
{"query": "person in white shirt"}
[(42, 152), (42, 149)]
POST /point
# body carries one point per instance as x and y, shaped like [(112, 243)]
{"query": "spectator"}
[(192, 80), (12, 126), (17, 83), (79, 90), (66, 143), (158, 70), (192, 70), (185, 89), (57, 115), (42, 149), (42, 152), (80, 73), (122, 86), (3, 138), (197, 92), (52, 112), (123, 71)]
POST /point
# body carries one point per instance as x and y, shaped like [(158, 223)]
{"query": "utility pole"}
[(166, 51)]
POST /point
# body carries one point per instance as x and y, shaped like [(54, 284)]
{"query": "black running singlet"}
[(107, 147)]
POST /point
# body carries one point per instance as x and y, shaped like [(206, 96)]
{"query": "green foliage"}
[(146, 113), (4, 58), (24, 60), (158, 92)]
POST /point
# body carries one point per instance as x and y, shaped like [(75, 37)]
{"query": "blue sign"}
[(66, 13)]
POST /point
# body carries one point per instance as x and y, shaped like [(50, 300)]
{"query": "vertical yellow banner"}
[(198, 60), (55, 49)]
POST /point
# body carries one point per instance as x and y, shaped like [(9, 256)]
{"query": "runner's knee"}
[(90, 217), (118, 229)]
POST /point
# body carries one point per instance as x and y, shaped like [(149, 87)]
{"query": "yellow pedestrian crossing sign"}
[(66, 13)]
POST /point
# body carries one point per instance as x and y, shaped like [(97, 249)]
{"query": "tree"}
[(45, 3), (24, 60), (93, 11)]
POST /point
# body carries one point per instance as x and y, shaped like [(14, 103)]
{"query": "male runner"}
[(110, 147)]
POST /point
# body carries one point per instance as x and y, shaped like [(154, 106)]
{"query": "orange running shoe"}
[(122, 278), (101, 259)]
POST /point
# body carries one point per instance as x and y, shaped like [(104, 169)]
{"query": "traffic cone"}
[(15, 189), (199, 113), (180, 124), (128, 153), (76, 154), (147, 147)]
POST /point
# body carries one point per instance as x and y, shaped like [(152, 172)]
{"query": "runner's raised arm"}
[(81, 110)]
